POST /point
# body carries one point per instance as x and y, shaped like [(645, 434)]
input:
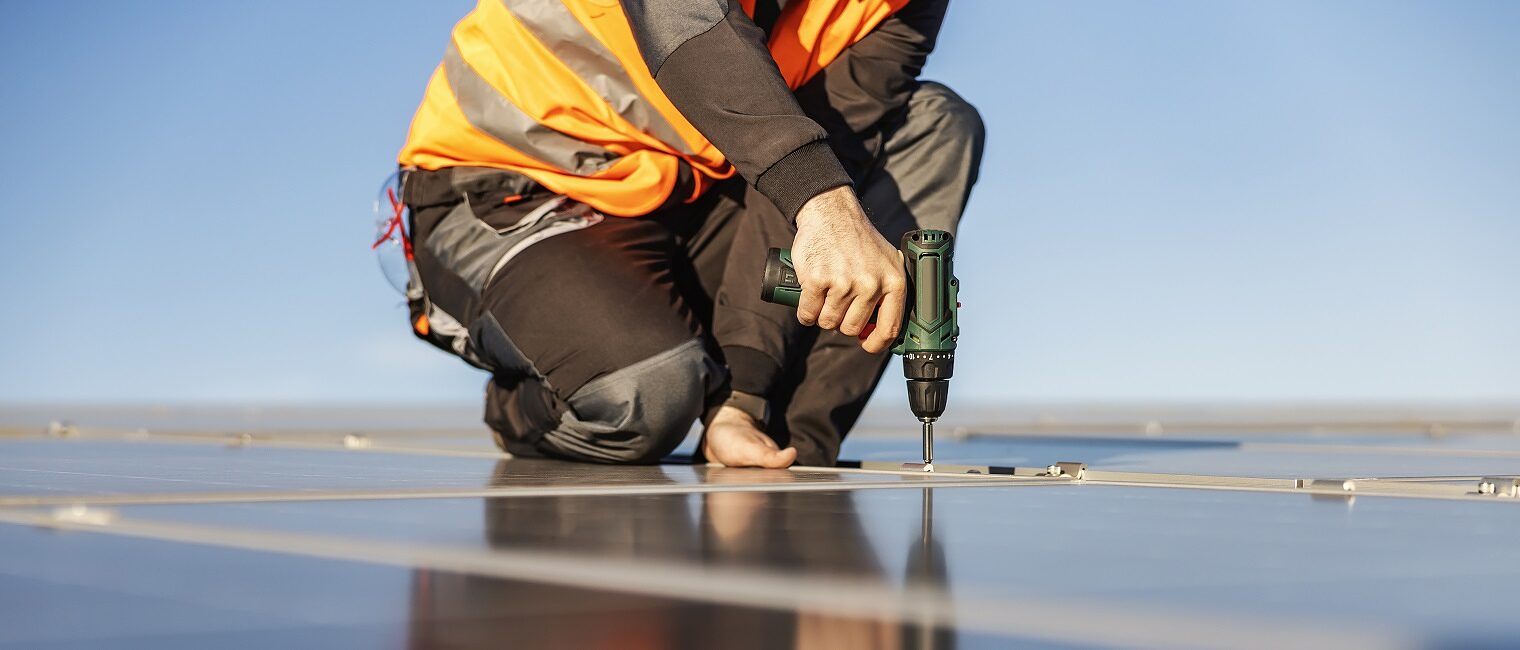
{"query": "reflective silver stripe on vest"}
[(490, 112), (559, 31)]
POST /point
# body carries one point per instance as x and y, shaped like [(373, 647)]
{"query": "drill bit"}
[(928, 444)]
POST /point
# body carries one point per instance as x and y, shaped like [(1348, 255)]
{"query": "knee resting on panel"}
[(640, 413)]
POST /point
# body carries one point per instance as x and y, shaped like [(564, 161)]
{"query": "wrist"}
[(752, 409), (828, 205), (755, 407)]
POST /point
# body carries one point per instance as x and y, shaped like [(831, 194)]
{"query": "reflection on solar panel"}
[(411, 538)]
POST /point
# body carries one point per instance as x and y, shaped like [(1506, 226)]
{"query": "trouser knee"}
[(929, 162), (635, 414), (955, 120)]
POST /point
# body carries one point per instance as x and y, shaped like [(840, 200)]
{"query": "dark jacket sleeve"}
[(712, 62), (864, 91)]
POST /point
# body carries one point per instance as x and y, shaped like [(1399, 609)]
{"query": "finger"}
[(865, 332), (834, 308), (761, 451), (757, 450), (860, 312), (779, 459), (810, 304), (888, 321)]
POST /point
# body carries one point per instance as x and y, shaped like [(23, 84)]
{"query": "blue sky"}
[(1180, 200)]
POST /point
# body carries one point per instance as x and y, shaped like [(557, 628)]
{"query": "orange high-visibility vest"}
[(557, 91)]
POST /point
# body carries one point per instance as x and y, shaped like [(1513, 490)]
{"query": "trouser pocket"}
[(469, 222)]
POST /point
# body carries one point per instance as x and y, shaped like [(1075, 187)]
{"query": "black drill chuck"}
[(928, 375), (927, 399)]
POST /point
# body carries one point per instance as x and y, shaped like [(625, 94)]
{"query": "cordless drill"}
[(929, 328)]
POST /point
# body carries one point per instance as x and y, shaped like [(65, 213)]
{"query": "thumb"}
[(780, 459)]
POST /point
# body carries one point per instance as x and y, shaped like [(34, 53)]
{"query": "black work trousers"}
[(608, 337)]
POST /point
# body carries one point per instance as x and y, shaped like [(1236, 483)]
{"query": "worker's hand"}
[(847, 269), (734, 439)]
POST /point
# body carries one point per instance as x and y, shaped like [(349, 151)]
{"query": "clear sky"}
[(1180, 200)]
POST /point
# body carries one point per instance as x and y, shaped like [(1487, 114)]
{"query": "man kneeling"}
[(579, 229)]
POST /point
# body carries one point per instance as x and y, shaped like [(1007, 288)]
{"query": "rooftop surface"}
[(388, 536)]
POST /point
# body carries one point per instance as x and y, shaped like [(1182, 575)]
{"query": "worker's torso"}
[(557, 91)]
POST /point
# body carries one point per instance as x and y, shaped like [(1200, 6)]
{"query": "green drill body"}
[(930, 324)]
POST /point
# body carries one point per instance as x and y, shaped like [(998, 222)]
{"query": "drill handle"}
[(932, 286), (780, 285)]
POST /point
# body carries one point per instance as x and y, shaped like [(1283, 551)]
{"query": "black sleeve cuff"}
[(750, 370), (806, 172)]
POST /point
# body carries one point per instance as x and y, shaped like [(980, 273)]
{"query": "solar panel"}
[(111, 538)]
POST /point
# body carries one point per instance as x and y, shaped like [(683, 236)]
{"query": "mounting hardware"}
[(942, 468), (1506, 486), (1338, 485), (1067, 469)]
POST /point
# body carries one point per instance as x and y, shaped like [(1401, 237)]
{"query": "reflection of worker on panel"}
[(809, 533), (591, 190)]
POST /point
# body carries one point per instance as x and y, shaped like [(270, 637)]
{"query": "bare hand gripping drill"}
[(930, 327)]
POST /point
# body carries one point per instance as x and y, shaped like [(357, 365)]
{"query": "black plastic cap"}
[(928, 398), (778, 275)]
